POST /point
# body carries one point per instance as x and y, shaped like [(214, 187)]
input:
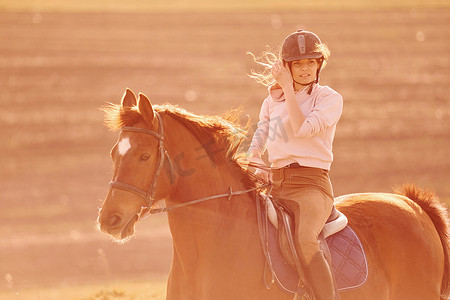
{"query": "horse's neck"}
[(214, 227), (199, 176), (214, 212)]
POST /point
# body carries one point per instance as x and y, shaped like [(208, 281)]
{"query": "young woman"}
[(297, 126)]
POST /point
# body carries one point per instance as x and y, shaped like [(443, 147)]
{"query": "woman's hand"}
[(284, 79), (282, 75), (260, 168), (262, 174)]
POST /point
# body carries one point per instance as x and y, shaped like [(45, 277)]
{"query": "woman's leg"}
[(308, 226), (307, 193)]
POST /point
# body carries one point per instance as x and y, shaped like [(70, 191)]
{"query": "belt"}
[(293, 165), (297, 165)]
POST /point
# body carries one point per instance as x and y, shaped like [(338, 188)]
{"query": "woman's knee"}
[(308, 248)]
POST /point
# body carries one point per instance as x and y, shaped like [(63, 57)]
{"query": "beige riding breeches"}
[(308, 194)]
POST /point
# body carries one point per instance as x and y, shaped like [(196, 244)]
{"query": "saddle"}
[(340, 244)]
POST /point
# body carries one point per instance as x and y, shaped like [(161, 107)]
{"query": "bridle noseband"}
[(149, 195)]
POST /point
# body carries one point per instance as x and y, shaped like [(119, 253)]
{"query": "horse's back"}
[(403, 248)]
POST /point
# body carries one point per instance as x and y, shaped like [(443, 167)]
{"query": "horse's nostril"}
[(115, 221)]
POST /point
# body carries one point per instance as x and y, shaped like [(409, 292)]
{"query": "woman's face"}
[(304, 71)]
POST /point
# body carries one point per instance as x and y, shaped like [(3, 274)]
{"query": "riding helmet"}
[(301, 44)]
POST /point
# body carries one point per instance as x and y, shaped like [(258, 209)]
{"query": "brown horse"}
[(164, 152)]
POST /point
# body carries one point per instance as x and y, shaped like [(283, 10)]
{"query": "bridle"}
[(163, 155), (148, 196)]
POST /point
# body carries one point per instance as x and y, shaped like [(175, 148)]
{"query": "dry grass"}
[(123, 290)]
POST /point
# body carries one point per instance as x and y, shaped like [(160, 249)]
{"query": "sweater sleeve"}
[(325, 114), (258, 144)]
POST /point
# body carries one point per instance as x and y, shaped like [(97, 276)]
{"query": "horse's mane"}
[(220, 136)]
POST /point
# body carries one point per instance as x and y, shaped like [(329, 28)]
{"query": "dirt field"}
[(57, 69)]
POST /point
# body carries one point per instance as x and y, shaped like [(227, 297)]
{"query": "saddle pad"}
[(348, 261)]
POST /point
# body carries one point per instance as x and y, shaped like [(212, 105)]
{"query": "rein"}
[(228, 195)]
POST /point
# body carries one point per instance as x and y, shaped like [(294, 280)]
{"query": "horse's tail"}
[(437, 212)]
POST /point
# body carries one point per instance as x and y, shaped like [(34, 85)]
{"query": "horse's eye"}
[(145, 156)]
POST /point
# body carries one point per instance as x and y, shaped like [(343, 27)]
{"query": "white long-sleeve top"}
[(312, 145)]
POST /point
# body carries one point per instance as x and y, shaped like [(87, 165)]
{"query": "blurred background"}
[(60, 61)]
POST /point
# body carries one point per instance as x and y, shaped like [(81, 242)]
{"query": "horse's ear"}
[(128, 99), (146, 109)]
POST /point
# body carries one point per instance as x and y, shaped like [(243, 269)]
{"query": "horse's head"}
[(138, 158)]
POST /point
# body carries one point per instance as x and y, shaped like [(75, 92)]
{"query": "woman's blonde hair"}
[(268, 58), (265, 61)]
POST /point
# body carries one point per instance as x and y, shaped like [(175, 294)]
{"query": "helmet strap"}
[(317, 76)]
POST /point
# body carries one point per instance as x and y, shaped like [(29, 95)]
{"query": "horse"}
[(192, 162)]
